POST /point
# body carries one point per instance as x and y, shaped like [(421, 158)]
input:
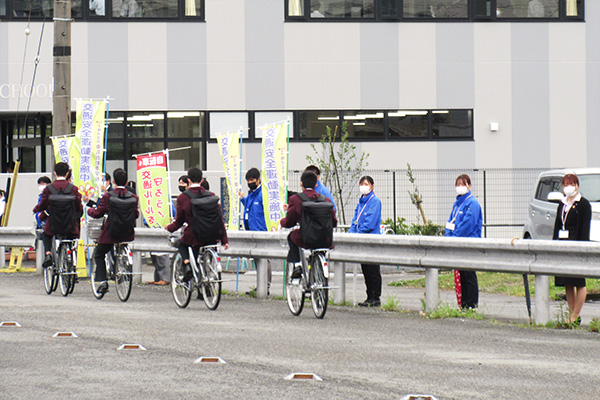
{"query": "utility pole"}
[(61, 108)]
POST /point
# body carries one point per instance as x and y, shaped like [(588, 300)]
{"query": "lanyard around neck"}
[(365, 206), (460, 208)]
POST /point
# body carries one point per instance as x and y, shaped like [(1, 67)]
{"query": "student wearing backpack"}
[(61, 201), (303, 237), (367, 219), (200, 209), (122, 208), (319, 187)]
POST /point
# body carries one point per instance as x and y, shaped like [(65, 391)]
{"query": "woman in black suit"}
[(573, 219)]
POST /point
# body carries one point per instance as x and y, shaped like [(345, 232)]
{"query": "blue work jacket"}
[(254, 213), (324, 190), (367, 216), (466, 217)]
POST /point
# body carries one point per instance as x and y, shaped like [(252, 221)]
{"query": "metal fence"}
[(503, 193)]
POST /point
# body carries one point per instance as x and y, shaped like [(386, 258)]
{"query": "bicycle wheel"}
[(49, 279), (211, 282), (182, 291), (319, 294), (65, 266), (294, 291), (95, 284), (123, 273)]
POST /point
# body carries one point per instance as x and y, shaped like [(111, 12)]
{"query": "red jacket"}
[(102, 210), (184, 215), (294, 215), (45, 203)]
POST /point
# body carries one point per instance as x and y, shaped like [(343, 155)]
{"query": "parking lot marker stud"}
[(65, 334), (10, 324), (127, 346), (213, 360), (303, 376)]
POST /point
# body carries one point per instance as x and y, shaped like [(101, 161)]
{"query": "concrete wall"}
[(539, 81)]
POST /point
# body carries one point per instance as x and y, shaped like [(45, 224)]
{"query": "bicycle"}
[(313, 282), (119, 268), (63, 270), (206, 277)]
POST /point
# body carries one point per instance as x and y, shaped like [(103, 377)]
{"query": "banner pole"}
[(239, 221), (166, 153), (105, 139), (287, 184)]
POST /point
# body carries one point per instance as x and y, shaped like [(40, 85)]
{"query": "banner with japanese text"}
[(229, 146), (88, 147), (153, 189), (274, 172), (62, 148)]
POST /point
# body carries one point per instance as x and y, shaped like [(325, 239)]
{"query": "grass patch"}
[(390, 304), (497, 283), (445, 310), (595, 325)]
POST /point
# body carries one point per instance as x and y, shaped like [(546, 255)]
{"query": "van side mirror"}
[(555, 197)]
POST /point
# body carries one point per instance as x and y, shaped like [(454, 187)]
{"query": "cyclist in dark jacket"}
[(105, 240), (61, 170)]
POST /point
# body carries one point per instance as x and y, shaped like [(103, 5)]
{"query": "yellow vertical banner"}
[(88, 147), (62, 148), (229, 147), (153, 189), (274, 168)]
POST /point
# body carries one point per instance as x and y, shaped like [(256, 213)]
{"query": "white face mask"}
[(41, 187), (569, 191), (365, 189), (461, 190)]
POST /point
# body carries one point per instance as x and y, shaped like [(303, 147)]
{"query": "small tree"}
[(340, 165), (415, 196)]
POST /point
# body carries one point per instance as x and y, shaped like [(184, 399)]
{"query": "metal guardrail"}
[(541, 258)]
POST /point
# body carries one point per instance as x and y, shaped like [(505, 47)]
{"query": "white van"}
[(547, 194)]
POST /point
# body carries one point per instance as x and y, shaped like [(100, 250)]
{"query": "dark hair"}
[(184, 178), (120, 176), (464, 178), (61, 169), (308, 179), (205, 184), (44, 179), (253, 173), (2, 193), (107, 176), (570, 179), (313, 168), (368, 179), (195, 174), (69, 175)]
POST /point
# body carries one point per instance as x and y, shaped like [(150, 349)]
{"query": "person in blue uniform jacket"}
[(466, 220), (367, 219), (254, 212), (320, 188)]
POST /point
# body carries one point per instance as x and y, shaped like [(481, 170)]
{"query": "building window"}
[(313, 124), (185, 124), (452, 124), (408, 124), (224, 122), (434, 10), (142, 125), (107, 10), (262, 119), (364, 124)]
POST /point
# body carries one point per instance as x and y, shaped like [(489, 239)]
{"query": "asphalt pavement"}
[(359, 353)]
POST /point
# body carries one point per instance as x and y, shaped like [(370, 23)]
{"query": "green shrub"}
[(402, 228)]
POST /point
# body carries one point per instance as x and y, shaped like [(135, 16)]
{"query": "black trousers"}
[(47, 239), (470, 289), (372, 274), (294, 253), (99, 253)]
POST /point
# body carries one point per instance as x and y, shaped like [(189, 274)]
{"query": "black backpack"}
[(316, 224), (121, 215), (207, 224), (63, 216)]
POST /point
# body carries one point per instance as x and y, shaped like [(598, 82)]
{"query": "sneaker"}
[(375, 303), (187, 273), (200, 296), (297, 272), (365, 303), (103, 288), (47, 261)]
